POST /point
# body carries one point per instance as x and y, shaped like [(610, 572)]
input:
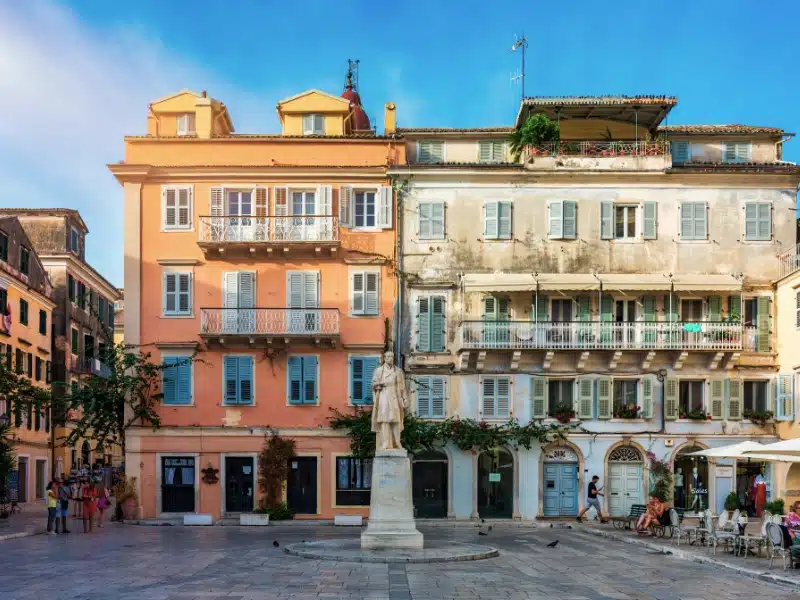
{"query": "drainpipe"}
[(399, 306)]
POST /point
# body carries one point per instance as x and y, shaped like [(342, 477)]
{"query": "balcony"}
[(270, 325), (598, 155), (590, 335), (789, 262), (247, 236), (87, 365)]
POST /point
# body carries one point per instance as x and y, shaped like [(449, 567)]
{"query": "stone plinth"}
[(391, 510)]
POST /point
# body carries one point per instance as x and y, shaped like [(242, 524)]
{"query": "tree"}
[(6, 456), (537, 130)]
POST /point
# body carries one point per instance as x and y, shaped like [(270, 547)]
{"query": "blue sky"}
[(77, 76)]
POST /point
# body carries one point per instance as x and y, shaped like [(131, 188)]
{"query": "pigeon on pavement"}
[(275, 544), (552, 544)]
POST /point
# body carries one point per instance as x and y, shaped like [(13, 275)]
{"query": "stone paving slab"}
[(350, 550)]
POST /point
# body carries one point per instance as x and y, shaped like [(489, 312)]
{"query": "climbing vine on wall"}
[(467, 434), (273, 467)]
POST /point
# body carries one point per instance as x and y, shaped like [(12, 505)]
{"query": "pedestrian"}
[(592, 499), (77, 498), (103, 502), (52, 502), (63, 505), (89, 496)]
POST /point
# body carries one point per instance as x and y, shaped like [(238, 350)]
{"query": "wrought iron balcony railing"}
[(789, 261), (269, 321), (222, 230), (88, 365), (520, 335), (598, 148)]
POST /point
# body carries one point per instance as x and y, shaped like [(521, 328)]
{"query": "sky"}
[(76, 76)]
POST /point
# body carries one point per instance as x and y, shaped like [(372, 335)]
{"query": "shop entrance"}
[(495, 484)]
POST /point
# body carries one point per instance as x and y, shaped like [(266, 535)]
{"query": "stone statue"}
[(390, 403)]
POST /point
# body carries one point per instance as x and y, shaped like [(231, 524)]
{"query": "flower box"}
[(628, 411)]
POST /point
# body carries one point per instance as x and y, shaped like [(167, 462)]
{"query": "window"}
[(3, 246), (177, 478), (497, 220), (48, 372), (38, 372), (626, 393), (758, 221), (186, 124), (177, 207), (431, 390), (82, 295), (755, 396), (365, 209), (430, 152), (625, 222), (238, 379), (88, 345), (302, 380), (735, 152), (101, 309), (4, 308), (559, 395), (361, 370), (681, 152), (691, 397), (365, 288), (496, 401), (691, 311), (29, 364), (43, 322), (74, 241), (797, 311), (491, 151), (313, 125), (694, 221), (19, 361), (74, 346), (9, 351), (24, 260), (430, 323), (563, 219), (177, 294), (353, 481), (111, 315), (23, 312), (431, 220), (71, 288), (561, 310), (176, 380)]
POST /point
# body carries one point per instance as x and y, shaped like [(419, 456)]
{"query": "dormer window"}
[(736, 152), (186, 124), (74, 241), (313, 124)]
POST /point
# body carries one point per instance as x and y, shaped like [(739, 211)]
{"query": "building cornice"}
[(283, 173), (83, 270), (24, 288)]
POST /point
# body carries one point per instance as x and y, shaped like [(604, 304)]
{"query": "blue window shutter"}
[(169, 382), (437, 323), (357, 380), (370, 364), (295, 380), (423, 324), (606, 220), (245, 379), (504, 210), (309, 379), (184, 381), (437, 392), (231, 368), (423, 397)]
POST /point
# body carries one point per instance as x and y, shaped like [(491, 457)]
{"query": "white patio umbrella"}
[(731, 451), (786, 448)]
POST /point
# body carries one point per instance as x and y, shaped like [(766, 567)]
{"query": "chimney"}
[(389, 119)]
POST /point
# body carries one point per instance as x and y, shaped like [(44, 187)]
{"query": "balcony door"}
[(625, 316), (239, 302), (496, 315), (303, 300), (239, 208), (561, 317)]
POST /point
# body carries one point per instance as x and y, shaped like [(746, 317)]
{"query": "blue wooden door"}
[(552, 493), (569, 490), (560, 490)]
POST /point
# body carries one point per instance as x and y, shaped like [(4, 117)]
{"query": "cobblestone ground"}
[(175, 563)]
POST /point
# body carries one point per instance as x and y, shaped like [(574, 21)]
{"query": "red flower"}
[(708, 417), (474, 452)]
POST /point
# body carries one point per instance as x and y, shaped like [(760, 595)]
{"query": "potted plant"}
[(759, 417), (696, 415), (776, 507), (536, 134), (628, 411), (125, 493), (563, 414), (731, 503)]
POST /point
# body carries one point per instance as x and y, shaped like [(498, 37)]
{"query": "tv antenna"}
[(521, 43), (352, 74)]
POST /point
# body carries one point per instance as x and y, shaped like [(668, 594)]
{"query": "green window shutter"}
[(729, 152), (231, 369), (570, 219), (539, 397), (438, 393), (700, 220), (785, 398), (606, 308), (503, 311), (310, 388), (647, 396), (734, 399), (606, 220), (295, 368), (584, 308), (503, 396), (670, 398), (735, 307), (169, 380), (585, 397), (490, 220), (540, 309), (680, 152), (556, 219), (424, 397), (717, 398), (504, 210), (649, 308), (671, 308), (498, 152), (715, 308), (437, 323), (763, 322), (604, 396), (687, 221), (650, 222), (489, 399), (423, 324)]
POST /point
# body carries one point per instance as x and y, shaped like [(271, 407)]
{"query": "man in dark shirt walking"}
[(593, 500)]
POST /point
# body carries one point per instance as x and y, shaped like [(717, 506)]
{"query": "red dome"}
[(360, 118)]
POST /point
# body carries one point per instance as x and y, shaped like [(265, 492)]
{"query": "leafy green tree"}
[(6, 455), (537, 130)]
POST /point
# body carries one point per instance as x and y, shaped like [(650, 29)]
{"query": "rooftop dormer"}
[(188, 114)]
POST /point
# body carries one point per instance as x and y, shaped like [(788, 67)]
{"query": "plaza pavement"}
[(127, 562)]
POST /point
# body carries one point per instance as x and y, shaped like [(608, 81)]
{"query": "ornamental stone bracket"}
[(582, 360), (648, 359), (615, 360), (515, 358), (678, 365), (548, 359), (716, 360)]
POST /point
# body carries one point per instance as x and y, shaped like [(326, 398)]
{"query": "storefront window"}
[(353, 481), (752, 486), (691, 481)]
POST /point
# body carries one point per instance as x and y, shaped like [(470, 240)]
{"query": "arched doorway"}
[(690, 480), (86, 452), (496, 484), (624, 480), (429, 484), (560, 482)]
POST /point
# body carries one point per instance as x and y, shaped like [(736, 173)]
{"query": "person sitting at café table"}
[(656, 512)]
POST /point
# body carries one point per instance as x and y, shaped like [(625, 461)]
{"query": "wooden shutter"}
[(424, 396), (372, 285), (185, 207), (184, 293), (324, 200), (489, 399), (489, 308), (184, 387), (370, 364), (346, 206), (785, 398), (438, 391), (425, 221), (605, 396), (503, 396), (169, 380), (357, 285), (556, 219), (729, 152), (763, 322), (311, 289), (647, 396), (734, 399), (485, 151), (671, 308), (437, 323), (735, 307), (295, 368), (281, 196), (679, 151), (498, 152), (606, 308), (540, 308), (570, 219), (294, 289), (649, 308), (308, 124), (670, 398), (539, 397), (247, 289), (715, 308), (437, 220), (216, 204), (504, 211), (700, 220), (231, 374), (430, 152), (503, 311), (585, 395), (650, 231), (170, 199), (262, 201), (490, 220), (751, 221), (423, 324), (170, 293), (606, 220), (687, 221), (717, 398), (357, 381), (245, 379), (584, 308), (764, 221)]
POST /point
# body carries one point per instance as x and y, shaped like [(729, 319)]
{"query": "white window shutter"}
[(785, 398), (425, 221), (385, 207), (717, 398), (371, 293), (539, 397), (556, 219), (438, 393), (216, 204), (308, 124), (281, 201), (324, 202), (585, 395), (170, 293), (605, 395), (357, 280), (437, 219), (647, 396), (247, 289), (182, 126), (490, 220), (184, 196), (294, 289), (170, 207), (311, 290), (570, 219), (488, 404), (346, 206), (503, 404), (184, 293)]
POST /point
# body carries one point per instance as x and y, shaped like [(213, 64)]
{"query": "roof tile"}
[(717, 129)]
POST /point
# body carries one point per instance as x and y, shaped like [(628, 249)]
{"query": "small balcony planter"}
[(254, 519), (563, 414), (759, 417), (696, 415), (628, 411)]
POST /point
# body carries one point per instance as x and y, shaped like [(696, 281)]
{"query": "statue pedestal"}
[(391, 511)]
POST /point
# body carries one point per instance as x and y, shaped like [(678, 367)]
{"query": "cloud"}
[(68, 95)]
